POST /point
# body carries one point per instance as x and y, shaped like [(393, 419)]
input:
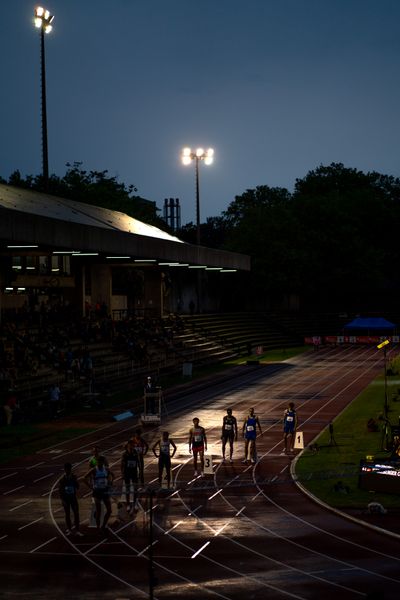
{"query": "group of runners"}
[(100, 478)]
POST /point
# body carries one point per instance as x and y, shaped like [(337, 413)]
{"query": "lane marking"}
[(19, 506), (3, 537), (216, 494), (42, 545), (200, 550), (31, 523), (172, 528), (9, 475), (43, 477), (147, 547), (37, 465), (14, 490)]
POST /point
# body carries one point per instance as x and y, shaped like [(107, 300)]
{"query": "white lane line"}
[(147, 547), (45, 494), (20, 506), (9, 475), (193, 512), (199, 550), (240, 511), (29, 524), (284, 468), (13, 490), (216, 494), (221, 528), (172, 528), (3, 537), (256, 496), (43, 477), (173, 494), (95, 546), (37, 465), (44, 544)]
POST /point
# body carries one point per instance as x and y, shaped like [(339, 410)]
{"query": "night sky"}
[(276, 87)]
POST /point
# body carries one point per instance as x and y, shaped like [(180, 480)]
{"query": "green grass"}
[(332, 463)]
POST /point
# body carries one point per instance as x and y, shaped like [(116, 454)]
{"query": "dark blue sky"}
[(276, 87)]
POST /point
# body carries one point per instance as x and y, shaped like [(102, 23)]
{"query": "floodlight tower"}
[(187, 157), (43, 21)]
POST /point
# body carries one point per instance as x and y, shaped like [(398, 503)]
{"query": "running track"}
[(246, 531)]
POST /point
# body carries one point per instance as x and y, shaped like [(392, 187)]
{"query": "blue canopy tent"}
[(370, 324)]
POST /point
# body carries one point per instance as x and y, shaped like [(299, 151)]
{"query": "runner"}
[(289, 426), (229, 433), (164, 456), (68, 487), (141, 447), (95, 456), (197, 443), (100, 479), (249, 430), (129, 471)]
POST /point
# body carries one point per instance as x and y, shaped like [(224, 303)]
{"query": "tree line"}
[(332, 243)]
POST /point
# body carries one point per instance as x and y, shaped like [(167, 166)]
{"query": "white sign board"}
[(208, 464), (299, 441)]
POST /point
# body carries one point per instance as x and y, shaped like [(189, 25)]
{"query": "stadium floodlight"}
[(43, 21), (196, 156)]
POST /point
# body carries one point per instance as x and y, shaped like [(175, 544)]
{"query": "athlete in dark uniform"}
[(141, 447), (289, 426), (164, 456), (249, 430), (100, 479), (129, 471), (197, 444), (229, 433), (68, 487)]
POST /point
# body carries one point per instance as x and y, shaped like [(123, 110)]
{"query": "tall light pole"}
[(187, 157), (43, 21)]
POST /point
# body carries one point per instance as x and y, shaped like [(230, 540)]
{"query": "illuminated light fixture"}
[(30, 268), (197, 266), (180, 265), (43, 19), (25, 246), (17, 267), (145, 260), (228, 270), (9, 289), (213, 268), (65, 252), (165, 264), (21, 289), (85, 254), (55, 270), (112, 257), (187, 156)]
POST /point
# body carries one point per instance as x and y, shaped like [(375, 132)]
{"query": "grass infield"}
[(338, 460)]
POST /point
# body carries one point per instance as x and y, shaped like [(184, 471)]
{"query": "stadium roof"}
[(28, 217)]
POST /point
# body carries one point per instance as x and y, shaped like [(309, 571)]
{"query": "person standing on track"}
[(129, 471), (100, 479), (249, 431), (141, 447), (68, 488), (289, 426), (197, 444), (164, 456), (95, 456), (229, 433)]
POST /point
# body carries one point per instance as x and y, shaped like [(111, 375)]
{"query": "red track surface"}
[(244, 531)]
